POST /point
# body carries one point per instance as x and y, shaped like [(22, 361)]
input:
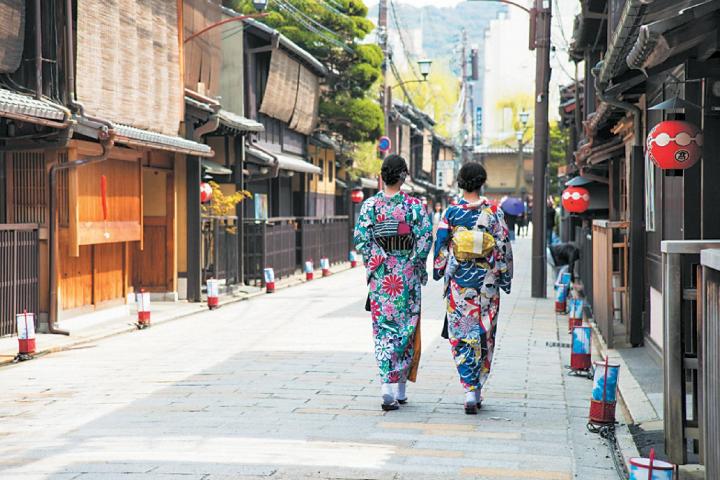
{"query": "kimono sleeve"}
[(373, 255), (442, 247), (422, 231), (503, 253)]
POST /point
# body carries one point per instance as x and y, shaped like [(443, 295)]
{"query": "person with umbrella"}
[(513, 208)]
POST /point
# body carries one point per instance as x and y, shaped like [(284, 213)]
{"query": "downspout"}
[(38, 51), (636, 280), (106, 142)]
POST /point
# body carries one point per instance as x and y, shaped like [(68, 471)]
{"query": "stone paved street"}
[(284, 386)]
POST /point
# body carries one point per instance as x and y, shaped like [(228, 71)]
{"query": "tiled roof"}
[(21, 104), (131, 135)]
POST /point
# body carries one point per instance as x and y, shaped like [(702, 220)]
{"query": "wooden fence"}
[(286, 243), (19, 289)]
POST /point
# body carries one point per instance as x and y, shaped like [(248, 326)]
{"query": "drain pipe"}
[(38, 51), (636, 280), (106, 141)]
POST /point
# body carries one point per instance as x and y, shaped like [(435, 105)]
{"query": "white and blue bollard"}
[(213, 293), (561, 291), (651, 468), (325, 266), (352, 256), (269, 280), (309, 270), (604, 393), (580, 356)]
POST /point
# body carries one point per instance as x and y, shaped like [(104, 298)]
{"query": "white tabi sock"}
[(470, 397), (401, 395), (388, 393)]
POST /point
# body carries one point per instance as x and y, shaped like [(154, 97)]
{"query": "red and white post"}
[(325, 266), (143, 308), (213, 293), (309, 270), (353, 258), (269, 280), (26, 333)]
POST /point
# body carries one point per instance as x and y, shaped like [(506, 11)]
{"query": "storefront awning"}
[(295, 163), (214, 168), (238, 122), (369, 183), (25, 108), (136, 137), (414, 187), (340, 183)]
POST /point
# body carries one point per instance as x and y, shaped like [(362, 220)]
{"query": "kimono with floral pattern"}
[(394, 280), (472, 288)]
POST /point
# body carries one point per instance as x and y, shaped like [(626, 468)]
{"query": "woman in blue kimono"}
[(394, 235), (474, 257)]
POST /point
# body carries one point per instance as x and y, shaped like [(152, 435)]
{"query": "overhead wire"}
[(308, 23), (406, 50)]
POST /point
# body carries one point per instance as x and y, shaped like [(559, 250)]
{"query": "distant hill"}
[(442, 26)]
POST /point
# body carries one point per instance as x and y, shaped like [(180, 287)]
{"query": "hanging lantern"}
[(575, 199), (675, 145), (205, 192), (357, 195)]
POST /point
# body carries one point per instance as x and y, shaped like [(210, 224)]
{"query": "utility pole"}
[(386, 94), (466, 90), (541, 19)]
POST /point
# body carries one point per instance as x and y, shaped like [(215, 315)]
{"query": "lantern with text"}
[(576, 199), (675, 145), (357, 195), (205, 192)]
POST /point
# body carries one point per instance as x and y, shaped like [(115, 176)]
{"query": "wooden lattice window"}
[(28, 187)]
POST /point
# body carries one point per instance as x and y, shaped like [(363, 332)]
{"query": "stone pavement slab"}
[(284, 386)]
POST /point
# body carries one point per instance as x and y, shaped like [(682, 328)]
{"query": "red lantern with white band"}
[(576, 199), (675, 145), (357, 195), (205, 192)]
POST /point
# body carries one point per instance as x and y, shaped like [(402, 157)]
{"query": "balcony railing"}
[(682, 349)]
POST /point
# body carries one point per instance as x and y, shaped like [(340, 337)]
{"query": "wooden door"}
[(153, 266)]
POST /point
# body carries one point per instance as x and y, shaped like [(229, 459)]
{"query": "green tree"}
[(438, 97), (332, 32)]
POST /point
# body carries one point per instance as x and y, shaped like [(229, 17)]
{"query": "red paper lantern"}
[(205, 192), (576, 199), (357, 195), (675, 145)]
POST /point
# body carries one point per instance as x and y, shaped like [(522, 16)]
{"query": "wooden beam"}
[(93, 233)]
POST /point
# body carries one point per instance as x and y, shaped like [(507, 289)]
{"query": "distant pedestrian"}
[(437, 216), (394, 235), (474, 257), (550, 219), (511, 221)]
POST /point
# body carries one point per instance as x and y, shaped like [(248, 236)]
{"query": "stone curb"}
[(224, 300)]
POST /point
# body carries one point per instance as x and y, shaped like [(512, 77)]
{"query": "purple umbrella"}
[(513, 206)]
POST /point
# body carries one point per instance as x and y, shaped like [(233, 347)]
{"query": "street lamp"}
[(424, 66), (523, 116), (260, 5)]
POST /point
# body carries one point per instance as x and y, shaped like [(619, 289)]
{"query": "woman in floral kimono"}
[(394, 235), (474, 257)]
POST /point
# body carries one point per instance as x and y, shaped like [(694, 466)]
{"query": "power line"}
[(396, 21), (300, 18)]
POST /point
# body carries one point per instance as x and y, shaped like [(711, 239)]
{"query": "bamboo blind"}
[(12, 34), (281, 89), (128, 62), (203, 54), (304, 117)]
